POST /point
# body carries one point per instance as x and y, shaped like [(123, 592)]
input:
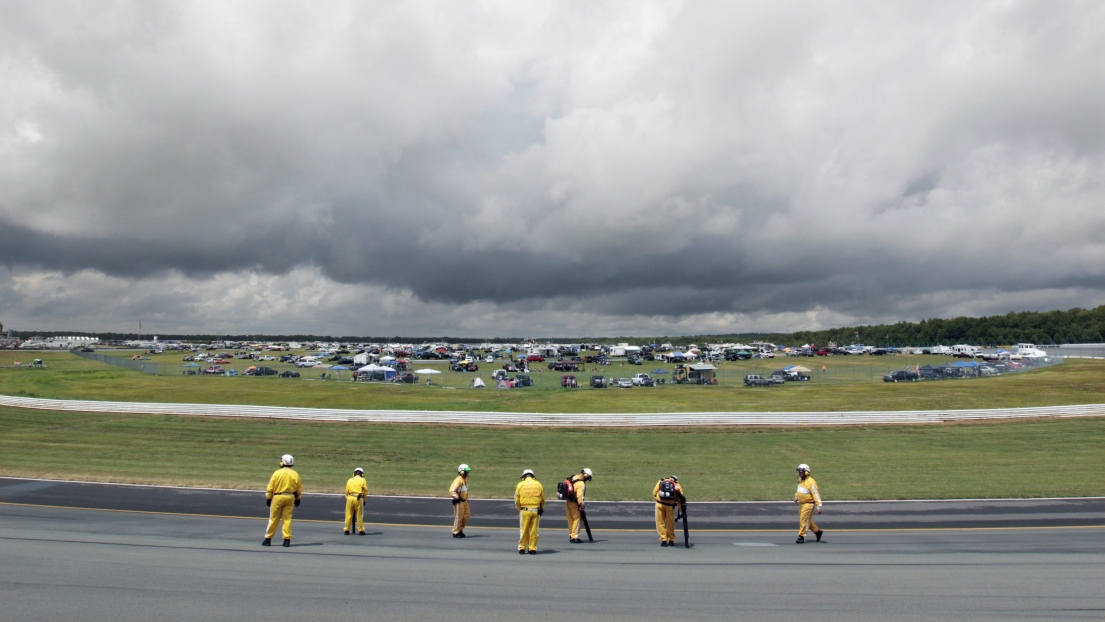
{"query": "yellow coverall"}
[(808, 498), (284, 488), (459, 490), (665, 513), (529, 495), (356, 491), (572, 507)]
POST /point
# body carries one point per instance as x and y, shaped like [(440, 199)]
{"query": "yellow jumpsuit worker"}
[(356, 491), (808, 498), (574, 505), (665, 512), (529, 498), (282, 493), (459, 492)]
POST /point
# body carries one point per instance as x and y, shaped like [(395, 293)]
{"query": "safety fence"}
[(557, 419), (144, 366)]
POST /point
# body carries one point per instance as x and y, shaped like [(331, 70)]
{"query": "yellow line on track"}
[(620, 530)]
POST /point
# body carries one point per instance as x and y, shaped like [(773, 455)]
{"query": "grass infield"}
[(1039, 458)]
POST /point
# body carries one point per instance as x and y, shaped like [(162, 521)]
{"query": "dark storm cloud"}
[(622, 161)]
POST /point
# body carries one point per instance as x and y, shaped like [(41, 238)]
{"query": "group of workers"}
[(285, 490)]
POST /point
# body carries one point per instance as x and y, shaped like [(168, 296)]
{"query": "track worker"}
[(577, 502), (356, 492), (459, 492), (529, 498), (282, 493), (808, 499), (666, 493)]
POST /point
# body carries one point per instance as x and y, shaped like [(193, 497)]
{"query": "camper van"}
[(965, 349)]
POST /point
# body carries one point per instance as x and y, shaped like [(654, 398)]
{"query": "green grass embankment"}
[(1011, 459)]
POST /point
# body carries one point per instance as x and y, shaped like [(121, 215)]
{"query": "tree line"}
[(1042, 328)]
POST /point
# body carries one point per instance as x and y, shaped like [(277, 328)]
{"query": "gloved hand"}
[(297, 502), (268, 503), (456, 500), (540, 511)]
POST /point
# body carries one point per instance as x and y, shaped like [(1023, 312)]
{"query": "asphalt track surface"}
[(154, 556)]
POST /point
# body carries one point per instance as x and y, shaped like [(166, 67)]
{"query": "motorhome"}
[(966, 349)]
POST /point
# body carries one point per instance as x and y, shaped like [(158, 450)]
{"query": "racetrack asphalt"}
[(60, 563), (778, 515)]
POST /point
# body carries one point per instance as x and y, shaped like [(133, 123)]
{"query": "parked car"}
[(289, 374), (264, 371), (535, 358), (756, 380), (634, 360), (214, 370), (623, 383), (878, 352), (902, 375), (641, 380), (598, 382), (404, 378), (510, 367), (189, 358), (522, 380)]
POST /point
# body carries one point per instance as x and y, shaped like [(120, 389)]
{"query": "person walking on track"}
[(666, 494), (459, 492), (529, 498), (282, 493), (808, 498), (356, 492), (577, 502)]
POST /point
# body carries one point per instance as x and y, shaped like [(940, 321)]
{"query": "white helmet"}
[(587, 472), (528, 472), (804, 467), (287, 460), (359, 471), (464, 468)]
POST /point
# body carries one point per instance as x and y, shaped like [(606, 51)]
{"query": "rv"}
[(965, 349)]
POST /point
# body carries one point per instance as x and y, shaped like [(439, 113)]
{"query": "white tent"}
[(477, 383), (371, 367)]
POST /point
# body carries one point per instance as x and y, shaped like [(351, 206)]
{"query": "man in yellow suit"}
[(283, 492), (577, 503), (529, 498), (666, 494), (808, 498), (459, 492), (356, 491)]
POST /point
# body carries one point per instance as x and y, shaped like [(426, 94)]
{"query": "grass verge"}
[(1036, 458)]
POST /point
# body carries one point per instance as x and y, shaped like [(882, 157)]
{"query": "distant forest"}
[(1051, 327), (1048, 328)]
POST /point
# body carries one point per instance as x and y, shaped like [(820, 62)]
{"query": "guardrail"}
[(557, 419)]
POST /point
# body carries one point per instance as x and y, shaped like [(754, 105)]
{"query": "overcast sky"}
[(536, 169)]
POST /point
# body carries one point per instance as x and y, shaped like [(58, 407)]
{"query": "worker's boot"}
[(800, 540), (818, 534), (266, 542), (287, 543)]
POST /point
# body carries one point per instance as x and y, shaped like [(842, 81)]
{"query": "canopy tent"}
[(338, 368), (191, 365), (372, 367), (428, 372), (798, 368), (660, 370)]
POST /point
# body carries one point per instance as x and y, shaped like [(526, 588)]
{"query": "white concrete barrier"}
[(556, 419)]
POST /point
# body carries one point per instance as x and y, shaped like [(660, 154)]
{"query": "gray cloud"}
[(615, 167)]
